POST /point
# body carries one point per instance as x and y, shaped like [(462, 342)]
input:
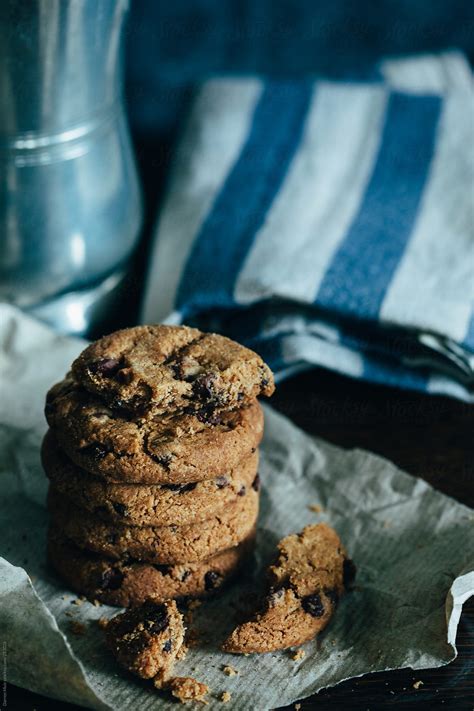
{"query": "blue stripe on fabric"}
[(361, 270), (469, 340), (393, 374), (220, 248)]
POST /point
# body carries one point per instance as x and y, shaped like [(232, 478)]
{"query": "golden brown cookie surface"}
[(150, 370), (306, 583), (146, 504)]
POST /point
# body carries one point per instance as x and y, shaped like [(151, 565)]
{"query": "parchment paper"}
[(414, 549)]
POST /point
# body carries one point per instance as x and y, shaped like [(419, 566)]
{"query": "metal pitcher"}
[(70, 208)]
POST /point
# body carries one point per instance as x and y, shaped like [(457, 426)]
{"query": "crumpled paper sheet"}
[(414, 549)]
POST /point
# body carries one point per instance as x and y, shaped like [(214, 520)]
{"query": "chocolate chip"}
[(163, 460), (332, 595), (120, 405), (256, 483), (202, 386), (138, 404), (313, 605), (207, 414), (348, 572), (172, 487), (119, 508), (185, 368), (125, 376), (163, 569), (112, 579), (106, 367), (157, 618), (240, 397), (241, 491), (222, 482), (211, 579), (181, 488), (253, 450), (167, 646), (96, 451), (185, 575), (184, 488), (264, 382)]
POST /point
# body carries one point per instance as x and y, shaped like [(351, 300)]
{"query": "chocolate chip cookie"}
[(146, 640), (165, 449), (148, 370), (145, 505), (306, 582), (124, 584), (160, 544)]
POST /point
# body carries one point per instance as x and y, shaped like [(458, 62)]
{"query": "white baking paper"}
[(414, 550)]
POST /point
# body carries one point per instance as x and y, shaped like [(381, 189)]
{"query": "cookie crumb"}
[(96, 603), (316, 508), (297, 707), (229, 671), (77, 628), (225, 697), (417, 684), (298, 654), (185, 688), (103, 622), (79, 600)]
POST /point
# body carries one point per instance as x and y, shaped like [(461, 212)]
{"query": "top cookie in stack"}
[(152, 460)]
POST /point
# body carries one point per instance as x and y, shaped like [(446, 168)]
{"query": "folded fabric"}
[(329, 223)]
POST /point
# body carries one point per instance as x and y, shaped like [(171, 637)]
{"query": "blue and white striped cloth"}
[(329, 223)]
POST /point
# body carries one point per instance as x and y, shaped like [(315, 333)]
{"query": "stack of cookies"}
[(152, 459)]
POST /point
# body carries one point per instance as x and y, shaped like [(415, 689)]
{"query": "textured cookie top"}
[(146, 639), (310, 575), (156, 369), (159, 449)]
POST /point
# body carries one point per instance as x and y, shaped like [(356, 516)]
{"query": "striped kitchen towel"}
[(329, 223)]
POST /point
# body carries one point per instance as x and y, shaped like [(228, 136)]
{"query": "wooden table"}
[(431, 437)]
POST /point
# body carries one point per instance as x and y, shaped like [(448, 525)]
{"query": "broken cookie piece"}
[(310, 574), (147, 639)]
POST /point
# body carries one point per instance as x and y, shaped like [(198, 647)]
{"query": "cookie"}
[(145, 505), (146, 639), (164, 449), (126, 584), (149, 370), (186, 689), (310, 575), (157, 544)]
